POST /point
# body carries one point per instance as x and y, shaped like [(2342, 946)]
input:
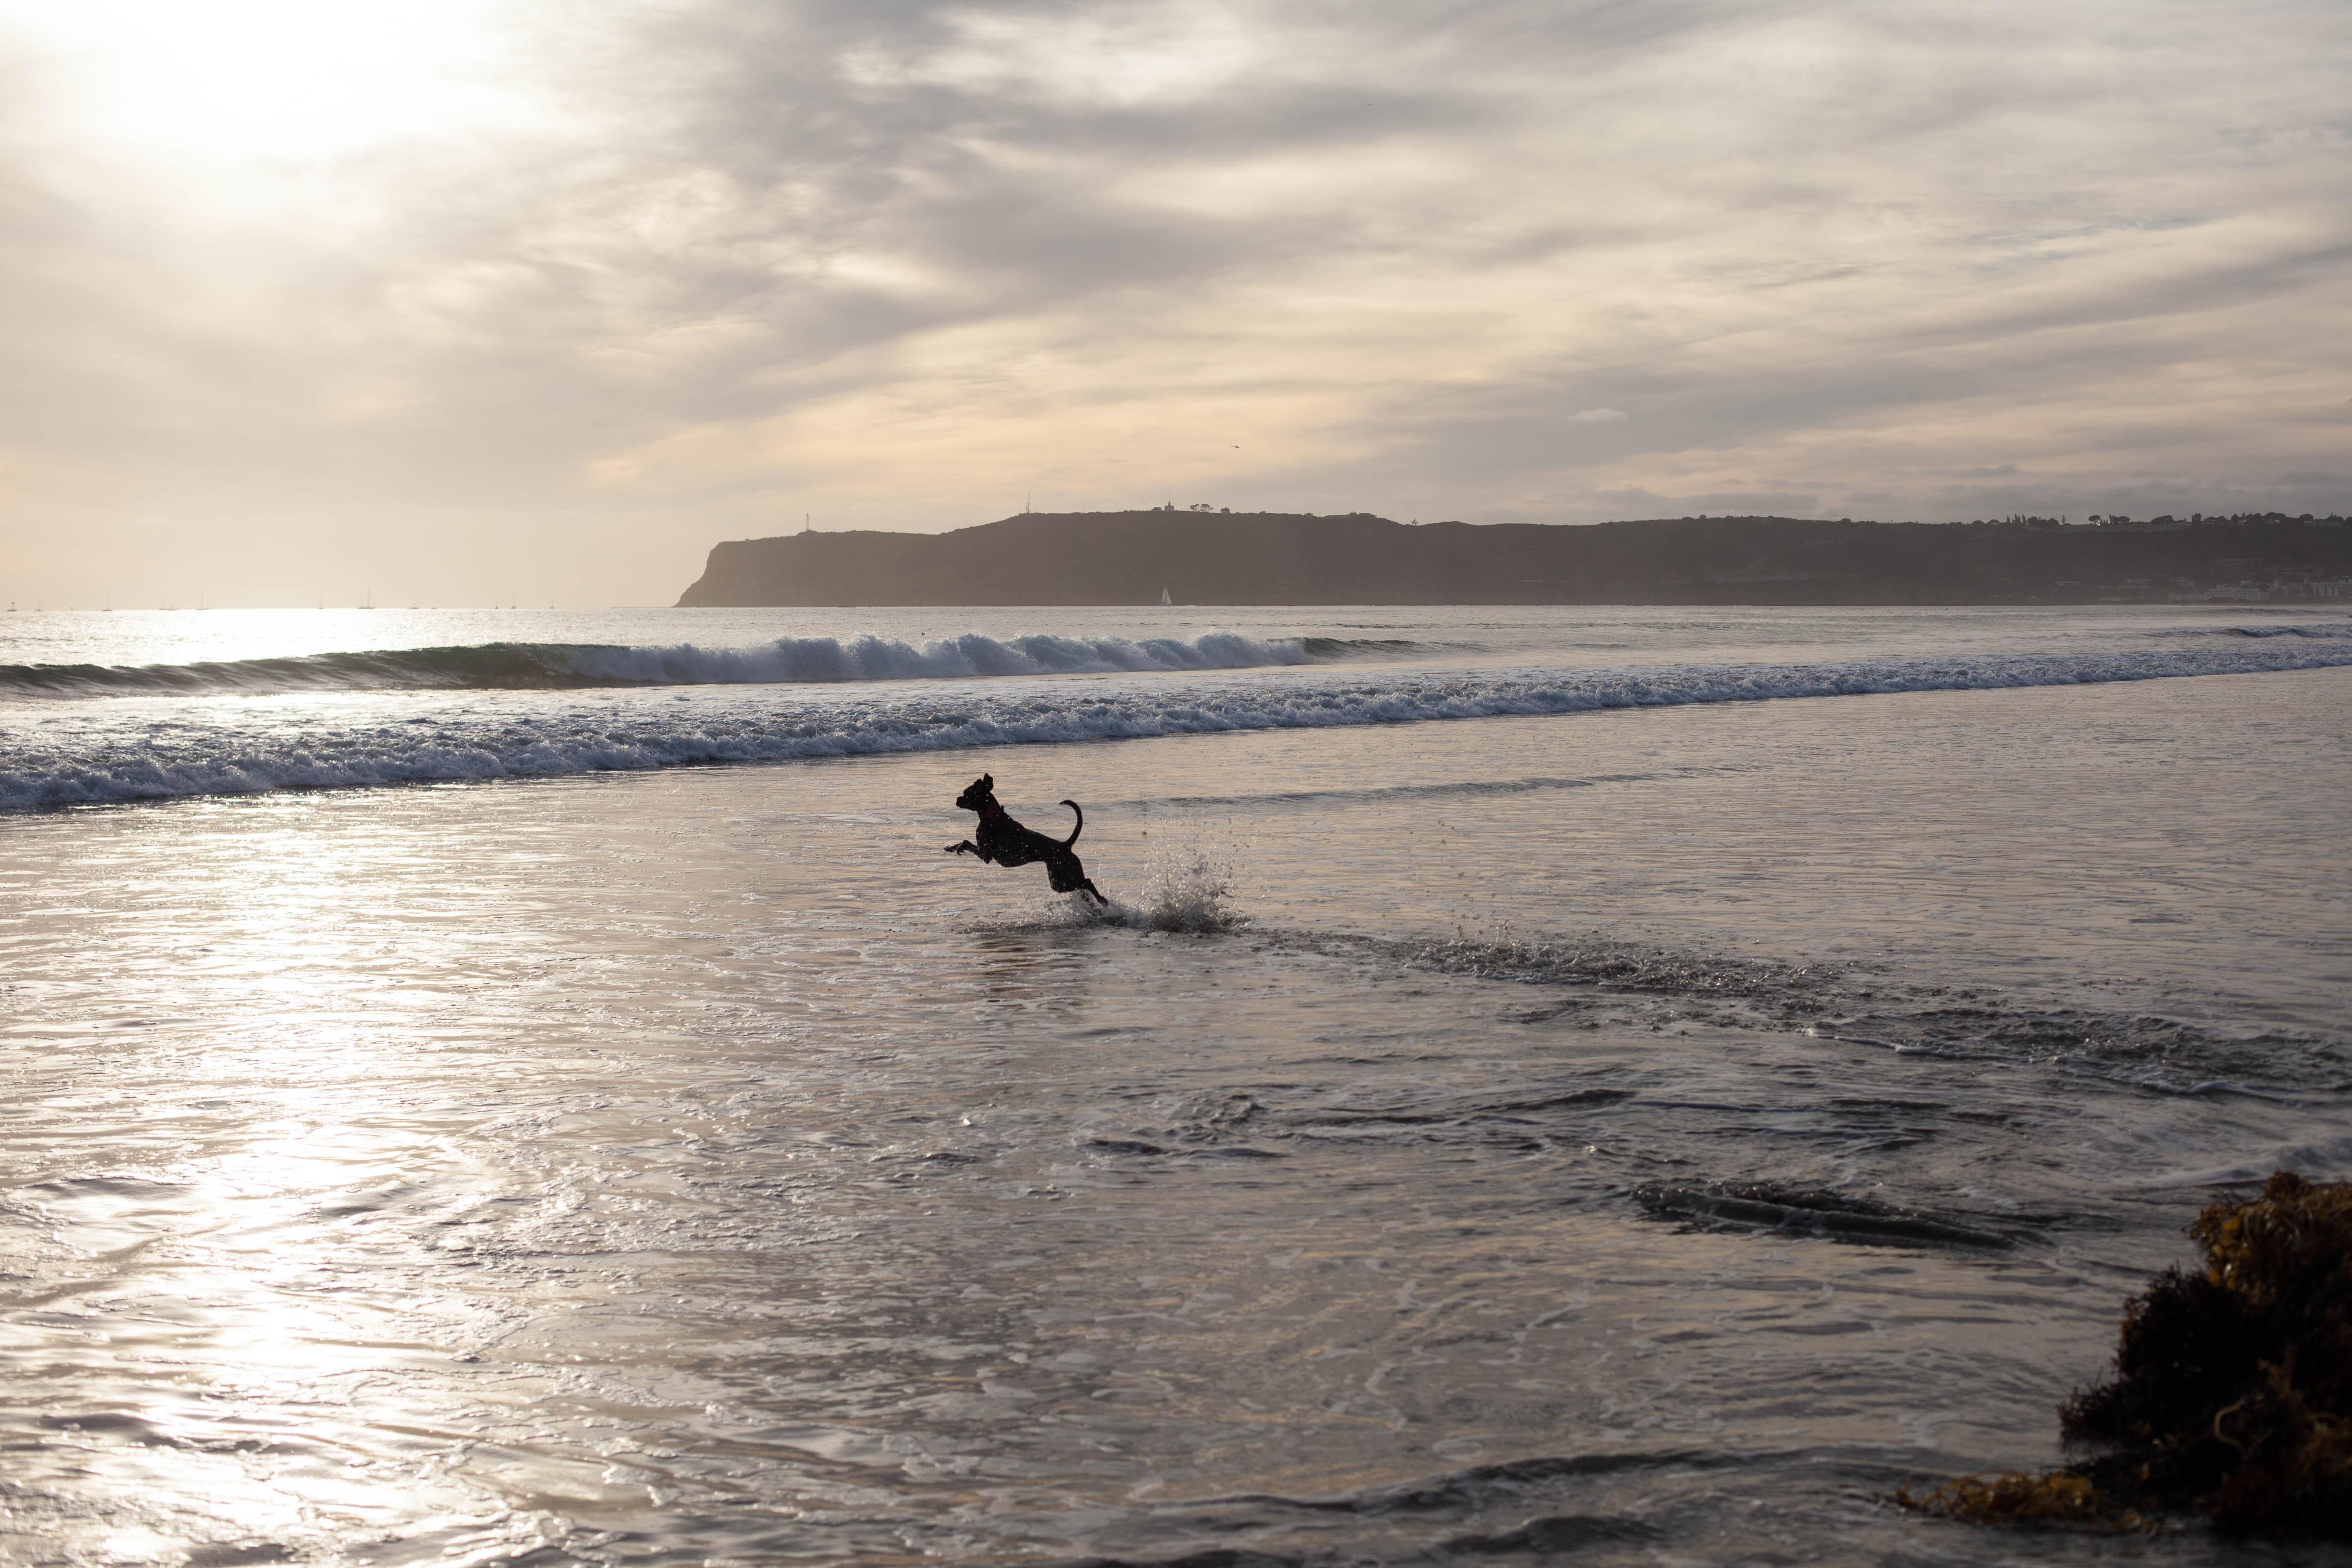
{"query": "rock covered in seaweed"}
[(2233, 1389)]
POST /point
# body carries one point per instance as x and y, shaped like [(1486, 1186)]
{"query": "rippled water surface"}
[(1645, 1135)]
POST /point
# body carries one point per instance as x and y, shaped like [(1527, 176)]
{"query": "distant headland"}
[(1201, 557)]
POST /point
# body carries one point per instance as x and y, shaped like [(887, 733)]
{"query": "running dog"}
[(1004, 842)]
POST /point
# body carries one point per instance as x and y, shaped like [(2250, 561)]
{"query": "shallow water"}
[(1642, 1135)]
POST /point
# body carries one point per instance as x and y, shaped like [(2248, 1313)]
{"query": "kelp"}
[(2233, 1389), (2012, 1497)]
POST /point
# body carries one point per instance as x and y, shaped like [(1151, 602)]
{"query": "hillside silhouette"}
[(1278, 558)]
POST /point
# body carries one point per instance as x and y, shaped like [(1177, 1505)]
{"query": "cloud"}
[(664, 275)]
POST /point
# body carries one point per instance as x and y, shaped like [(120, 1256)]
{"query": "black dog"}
[(1004, 842)]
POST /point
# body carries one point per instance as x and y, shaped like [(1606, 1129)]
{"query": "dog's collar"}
[(991, 810)]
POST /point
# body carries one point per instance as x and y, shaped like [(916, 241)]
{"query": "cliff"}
[(1272, 558)]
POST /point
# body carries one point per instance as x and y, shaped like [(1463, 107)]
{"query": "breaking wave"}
[(551, 666), (56, 764)]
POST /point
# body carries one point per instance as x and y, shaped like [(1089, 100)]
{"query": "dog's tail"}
[(1081, 828)]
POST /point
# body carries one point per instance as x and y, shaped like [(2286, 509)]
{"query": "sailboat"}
[(1164, 599)]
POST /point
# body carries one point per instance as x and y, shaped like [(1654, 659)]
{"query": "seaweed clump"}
[(2232, 1388), (2060, 1497)]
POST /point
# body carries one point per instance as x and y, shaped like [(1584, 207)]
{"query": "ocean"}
[(1597, 1085)]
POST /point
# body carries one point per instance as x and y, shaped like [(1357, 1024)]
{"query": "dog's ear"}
[(988, 781)]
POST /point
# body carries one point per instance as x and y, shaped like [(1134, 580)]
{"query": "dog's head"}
[(981, 795)]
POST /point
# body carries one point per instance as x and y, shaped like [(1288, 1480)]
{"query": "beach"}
[(1623, 1084)]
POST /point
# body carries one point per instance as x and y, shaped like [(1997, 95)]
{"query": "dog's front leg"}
[(966, 847)]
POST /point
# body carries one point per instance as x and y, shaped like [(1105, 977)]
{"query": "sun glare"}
[(279, 82)]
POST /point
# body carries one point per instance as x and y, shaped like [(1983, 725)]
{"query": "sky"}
[(472, 301)]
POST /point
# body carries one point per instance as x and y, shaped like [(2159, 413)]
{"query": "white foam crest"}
[(487, 741), (970, 657)]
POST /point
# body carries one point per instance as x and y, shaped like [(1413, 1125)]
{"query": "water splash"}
[(1190, 893)]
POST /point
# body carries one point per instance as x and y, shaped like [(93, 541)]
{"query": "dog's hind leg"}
[(1064, 873)]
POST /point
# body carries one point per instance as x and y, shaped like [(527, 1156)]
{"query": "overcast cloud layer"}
[(467, 302)]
